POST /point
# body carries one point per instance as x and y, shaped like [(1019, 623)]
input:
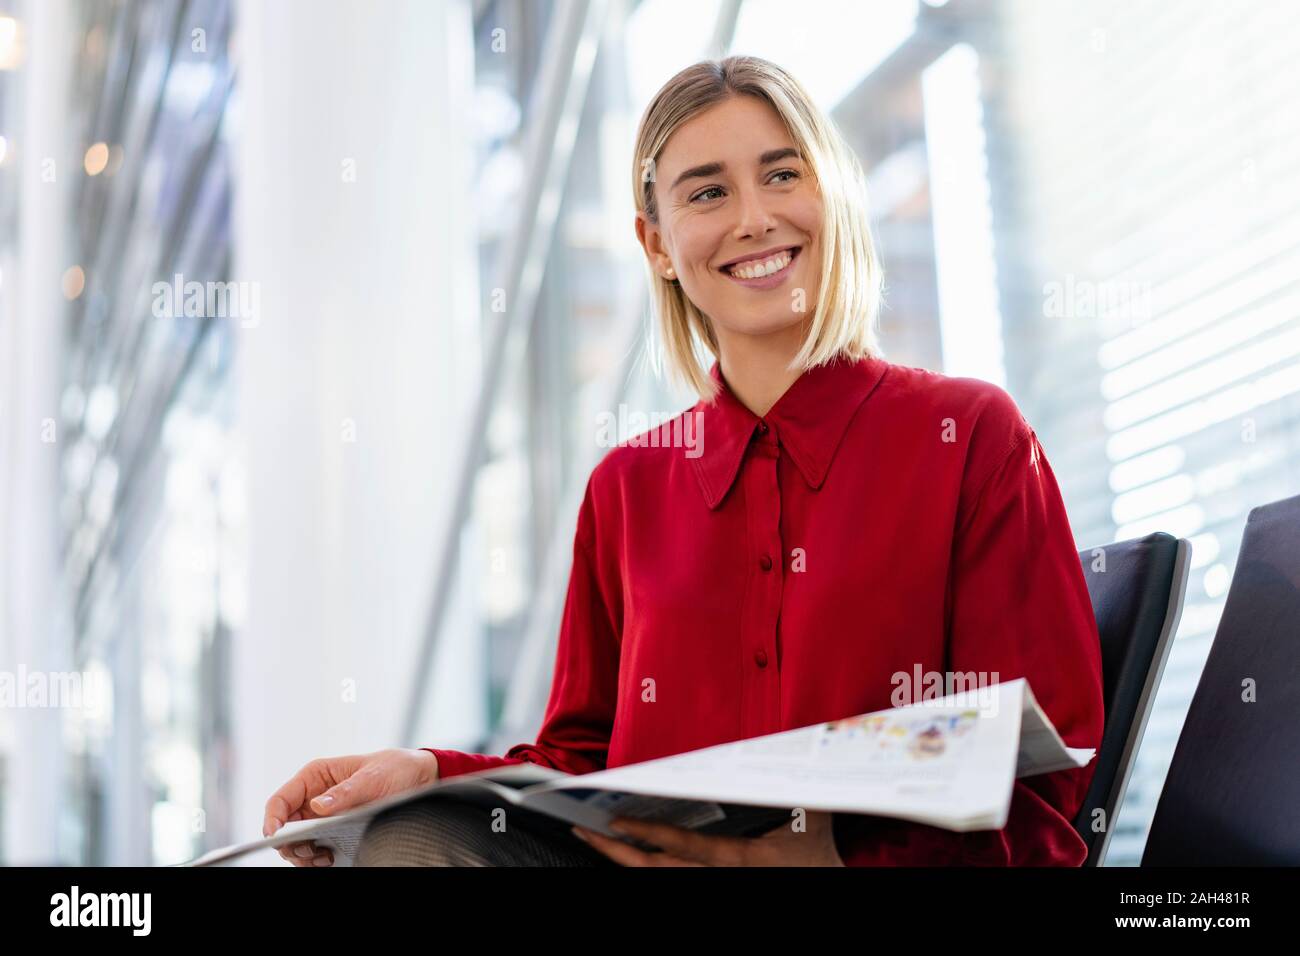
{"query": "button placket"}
[(761, 706)]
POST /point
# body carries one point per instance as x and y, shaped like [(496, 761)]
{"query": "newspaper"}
[(950, 762)]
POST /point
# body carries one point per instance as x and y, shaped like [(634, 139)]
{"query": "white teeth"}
[(757, 270)]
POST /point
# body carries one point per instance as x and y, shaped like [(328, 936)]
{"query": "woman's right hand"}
[(331, 785)]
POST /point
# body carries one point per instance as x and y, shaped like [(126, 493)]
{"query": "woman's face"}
[(730, 186)]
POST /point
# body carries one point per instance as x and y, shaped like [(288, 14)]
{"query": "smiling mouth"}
[(764, 273)]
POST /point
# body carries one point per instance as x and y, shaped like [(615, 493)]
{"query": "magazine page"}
[(950, 762), (1041, 747)]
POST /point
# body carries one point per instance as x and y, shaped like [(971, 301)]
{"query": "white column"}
[(354, 154), (34, 632)]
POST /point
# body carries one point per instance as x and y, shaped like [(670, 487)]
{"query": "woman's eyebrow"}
[(712, 169)]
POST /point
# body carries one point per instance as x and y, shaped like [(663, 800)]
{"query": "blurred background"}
[(312, 313)]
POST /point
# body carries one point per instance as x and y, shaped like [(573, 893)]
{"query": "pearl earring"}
[(670, 272)]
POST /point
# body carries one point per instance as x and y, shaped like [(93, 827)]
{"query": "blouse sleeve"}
[(1017, 606), (579, 715)]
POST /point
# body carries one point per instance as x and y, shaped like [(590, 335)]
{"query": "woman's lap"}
[(437, 831)]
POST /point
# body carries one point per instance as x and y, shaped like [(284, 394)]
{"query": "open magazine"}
[(950, 762)]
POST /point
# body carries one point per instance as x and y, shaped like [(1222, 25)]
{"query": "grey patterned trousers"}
[(437, 831)]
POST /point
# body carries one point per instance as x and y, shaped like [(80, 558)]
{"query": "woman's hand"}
[(784, 846), (330, 785)]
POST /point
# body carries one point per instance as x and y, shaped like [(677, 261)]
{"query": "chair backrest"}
[(1137, 590), (1233, 789)]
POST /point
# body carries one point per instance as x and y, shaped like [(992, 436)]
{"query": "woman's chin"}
[(766, 324)]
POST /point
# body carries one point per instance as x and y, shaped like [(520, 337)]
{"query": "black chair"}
[(1232, 796), (1137, 590)]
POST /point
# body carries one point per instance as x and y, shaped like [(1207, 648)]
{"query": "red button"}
[(762, 426), (760, 658), (765, 563)]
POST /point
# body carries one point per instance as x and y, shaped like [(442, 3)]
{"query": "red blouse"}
[(752, 575)]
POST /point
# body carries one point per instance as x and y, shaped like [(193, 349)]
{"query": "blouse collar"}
[(810, 420)]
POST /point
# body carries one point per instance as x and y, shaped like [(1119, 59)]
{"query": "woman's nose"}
[(753, 215)]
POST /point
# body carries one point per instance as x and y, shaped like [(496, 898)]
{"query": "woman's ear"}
[(651, 239)]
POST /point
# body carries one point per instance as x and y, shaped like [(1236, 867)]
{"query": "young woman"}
[(840, 526)]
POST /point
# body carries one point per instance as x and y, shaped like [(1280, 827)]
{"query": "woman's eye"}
[(714, 189), (705, 192)]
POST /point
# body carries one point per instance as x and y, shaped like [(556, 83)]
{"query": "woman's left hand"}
[(784, 846)]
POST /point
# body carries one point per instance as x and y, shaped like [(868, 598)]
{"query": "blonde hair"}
[(849, 300)]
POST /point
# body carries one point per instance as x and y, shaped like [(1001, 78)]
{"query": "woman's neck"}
[(756, 367)]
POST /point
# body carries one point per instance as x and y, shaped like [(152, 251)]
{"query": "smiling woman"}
[(843, 521), (770, 233)]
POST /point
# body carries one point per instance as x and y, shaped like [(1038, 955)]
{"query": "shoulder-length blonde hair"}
[(848, 302)]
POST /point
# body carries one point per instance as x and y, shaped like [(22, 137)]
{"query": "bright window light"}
[(970, 321)]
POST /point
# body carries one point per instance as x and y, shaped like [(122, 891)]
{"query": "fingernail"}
[(579, 834), (304, 852), (618, 828), (324, 801), (274, 825)]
